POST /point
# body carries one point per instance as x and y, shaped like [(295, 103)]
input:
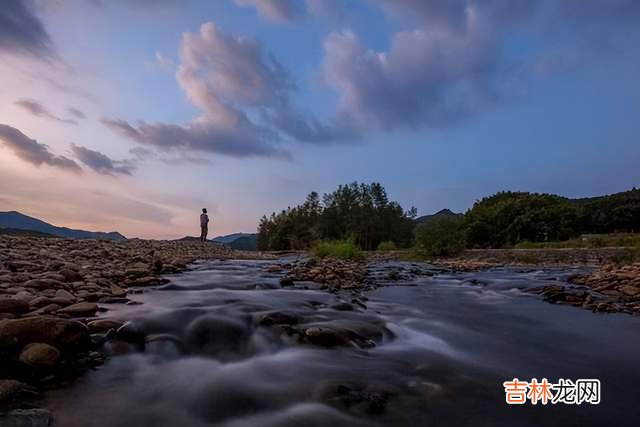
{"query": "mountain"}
[(440, 214), (240, 241), (19, 232), (16, 220)]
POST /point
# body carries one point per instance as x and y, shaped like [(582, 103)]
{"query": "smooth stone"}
[(13, 306), (103, 325), (80, 309), (11, 390), (40, 356), (60, 333)]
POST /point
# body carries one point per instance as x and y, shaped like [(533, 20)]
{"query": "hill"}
[(444, 213), (240, 241), (18, 221), (19, 232)]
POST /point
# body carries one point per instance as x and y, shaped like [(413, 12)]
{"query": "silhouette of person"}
[(204, 225)]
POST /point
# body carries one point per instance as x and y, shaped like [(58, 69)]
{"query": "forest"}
[(364, 215)]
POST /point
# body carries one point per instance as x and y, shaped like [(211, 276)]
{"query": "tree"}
[(443, 236), (359, 212)]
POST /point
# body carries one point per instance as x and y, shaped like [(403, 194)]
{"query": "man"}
[(204, 225)]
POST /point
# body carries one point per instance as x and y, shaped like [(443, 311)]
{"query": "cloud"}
[(274, 10), (22, 32), (427, 77), (100, 162), (39, 110), (244, 98), (201, 136), (33, 152), (451, 66), (76, 113)]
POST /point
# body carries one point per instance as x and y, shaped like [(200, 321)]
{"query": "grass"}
[(387, 246), (342, 249), (623, 240)]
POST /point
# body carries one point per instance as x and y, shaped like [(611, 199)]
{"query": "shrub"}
[(387, 246), (440, 237), (343, 249)]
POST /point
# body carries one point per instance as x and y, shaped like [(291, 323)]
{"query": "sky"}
[(133, 115)]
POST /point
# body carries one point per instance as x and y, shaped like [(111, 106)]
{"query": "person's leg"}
[(202, 234)]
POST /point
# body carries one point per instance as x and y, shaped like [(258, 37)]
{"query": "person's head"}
[(204, 210)]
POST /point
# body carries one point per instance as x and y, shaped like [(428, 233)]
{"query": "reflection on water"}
[(224, 345)]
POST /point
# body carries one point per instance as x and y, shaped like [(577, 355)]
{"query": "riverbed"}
[(224, 344)]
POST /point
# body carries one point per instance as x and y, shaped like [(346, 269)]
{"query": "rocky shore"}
[(611, 288), (50, 293), (333, 274), (479, 259)]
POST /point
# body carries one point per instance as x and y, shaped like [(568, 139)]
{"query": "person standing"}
[(204, 225)]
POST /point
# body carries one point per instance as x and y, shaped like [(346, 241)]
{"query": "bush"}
[(343, 249), (387, 246), (440, 237)]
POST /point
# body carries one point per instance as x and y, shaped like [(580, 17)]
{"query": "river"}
[(428, 347)]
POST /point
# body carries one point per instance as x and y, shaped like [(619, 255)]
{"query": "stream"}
[(225, 345)]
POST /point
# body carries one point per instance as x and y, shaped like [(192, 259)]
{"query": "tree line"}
[(358, 212), (363, 214), (509, 218)]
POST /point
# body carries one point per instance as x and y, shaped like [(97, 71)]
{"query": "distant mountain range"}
[(444, 213), (16, 223), (240, 241)]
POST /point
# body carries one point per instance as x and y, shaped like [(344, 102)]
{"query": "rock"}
[(343, 306), (103, 325), (342, 333), (147, 281), (12, 391), (70, 275), (117, 291), (138, 269), (81, 309), (60, 333), (39, 302), (216, 334), (40, 356), (276, 268), (286, 281), (61, 293), (27, 418), (280, 318), (626, 289), (13, 306), (44, 284)]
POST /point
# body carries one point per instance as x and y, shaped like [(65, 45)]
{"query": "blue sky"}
[(245, 106)]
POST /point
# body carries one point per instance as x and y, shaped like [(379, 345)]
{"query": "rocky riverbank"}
[(611, 288), (50, 293)]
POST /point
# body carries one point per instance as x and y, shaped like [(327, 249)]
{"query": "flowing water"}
[(224, 352)]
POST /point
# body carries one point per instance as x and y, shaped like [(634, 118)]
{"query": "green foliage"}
[(508, 218), (440, 237), (616, 213), (343, 249), (361, 212), (387, 246)]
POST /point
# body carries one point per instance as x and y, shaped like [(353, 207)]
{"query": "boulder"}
[(70, 275), (628, 290), (15, 334), (103, 325), (44, 284), (11, 391), (40, 356), (81, 309), (13, 306)]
